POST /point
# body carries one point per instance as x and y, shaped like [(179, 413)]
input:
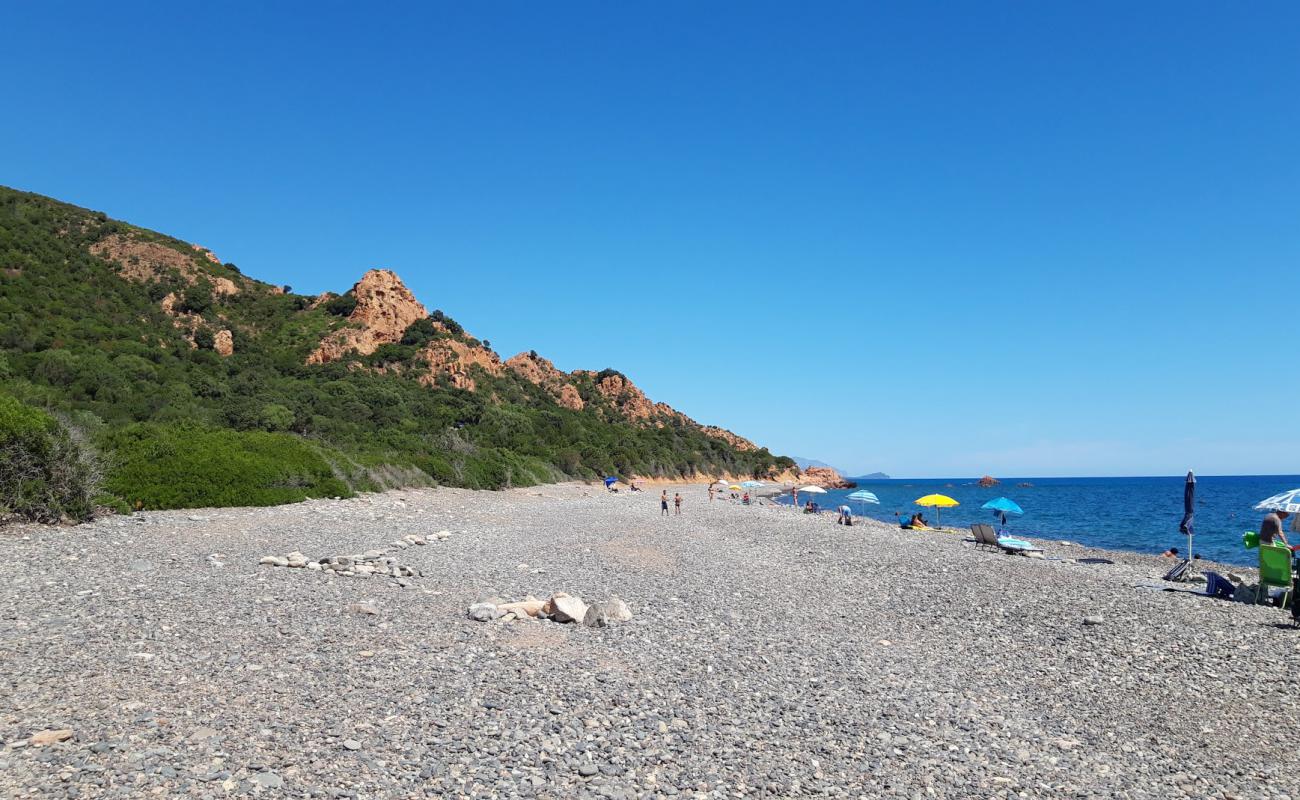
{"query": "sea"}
[(1138, 514)]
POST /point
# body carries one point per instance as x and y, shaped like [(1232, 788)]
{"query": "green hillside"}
[(125, 337)]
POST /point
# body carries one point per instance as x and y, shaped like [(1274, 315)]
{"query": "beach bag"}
[(1218, 586)]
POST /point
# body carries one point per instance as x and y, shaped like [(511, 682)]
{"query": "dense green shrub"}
[(196, 298), (46, 473), (188, 466), (341, 306)]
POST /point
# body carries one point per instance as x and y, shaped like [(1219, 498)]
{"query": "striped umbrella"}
[(1287, 501), (863, 497)]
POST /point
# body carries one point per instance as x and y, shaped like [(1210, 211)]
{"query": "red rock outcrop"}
[(739, 442), (146, 262), (224, 343), (989, 480), (208, 254), (385, 309), (825, 477), (541, 372), (454, 358), (626, 398)]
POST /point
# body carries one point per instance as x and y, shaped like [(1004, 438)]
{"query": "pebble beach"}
[(769, 654)]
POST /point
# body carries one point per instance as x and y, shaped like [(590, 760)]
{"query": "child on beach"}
[(663, 503)]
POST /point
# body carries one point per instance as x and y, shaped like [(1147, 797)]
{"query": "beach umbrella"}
[(610, 481), (862, 496), (1003, 506), (1182, 571), (812, 489), (733, 487), (937, 502), (751, 484), (1287, 501)]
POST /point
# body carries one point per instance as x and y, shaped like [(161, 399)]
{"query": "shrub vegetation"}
[(45, 473)]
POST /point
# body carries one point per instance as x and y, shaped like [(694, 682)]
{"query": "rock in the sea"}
[(482, 612), (988, 480)]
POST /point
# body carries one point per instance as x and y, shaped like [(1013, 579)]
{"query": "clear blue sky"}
[(929, 238)]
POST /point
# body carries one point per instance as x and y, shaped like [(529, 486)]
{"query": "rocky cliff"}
[(541, 372), (825, 477), (385, 309)]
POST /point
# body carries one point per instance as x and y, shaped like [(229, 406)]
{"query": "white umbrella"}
[(813, 489), (1287, 501)]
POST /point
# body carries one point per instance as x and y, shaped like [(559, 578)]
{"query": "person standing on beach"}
[(796, 497), (677, 503), (1271, 528), (713, 490), (663, 503)]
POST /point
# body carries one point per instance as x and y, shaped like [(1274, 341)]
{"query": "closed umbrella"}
[(1183, 571), (937, 502)]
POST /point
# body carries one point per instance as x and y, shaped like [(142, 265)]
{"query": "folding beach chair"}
[(1274, 570)]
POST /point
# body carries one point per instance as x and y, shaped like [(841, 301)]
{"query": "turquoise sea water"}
[(1139, 514)]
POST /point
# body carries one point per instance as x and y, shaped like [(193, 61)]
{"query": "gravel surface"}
[(770, 654)]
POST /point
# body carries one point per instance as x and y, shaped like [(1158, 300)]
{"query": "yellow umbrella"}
[(937, 501), (734, 487)]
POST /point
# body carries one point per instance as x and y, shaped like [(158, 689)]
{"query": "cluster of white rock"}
[(359, 565), (561, 607)]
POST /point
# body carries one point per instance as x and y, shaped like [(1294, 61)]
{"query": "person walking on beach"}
[(677, 503), (1271, 528), (663, 503), (713, 490)]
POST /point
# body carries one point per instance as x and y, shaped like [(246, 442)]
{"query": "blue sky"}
[(930, 238)]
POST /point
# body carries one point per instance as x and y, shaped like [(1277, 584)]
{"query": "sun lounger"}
[(985, 535)]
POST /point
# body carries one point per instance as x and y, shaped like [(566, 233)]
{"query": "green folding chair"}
[(1274, 570), (1250, 540)]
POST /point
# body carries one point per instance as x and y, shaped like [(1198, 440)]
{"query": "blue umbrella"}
[(610, 481), (863, 497), (1003, 506)]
